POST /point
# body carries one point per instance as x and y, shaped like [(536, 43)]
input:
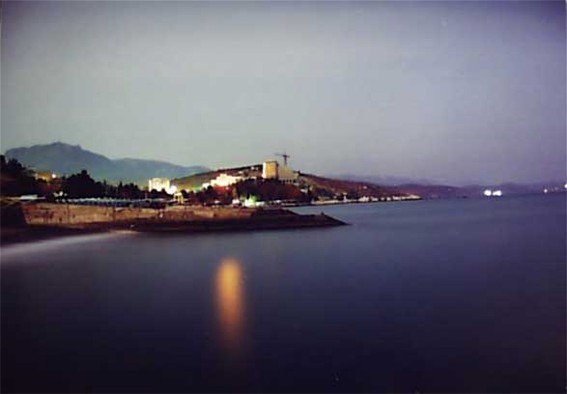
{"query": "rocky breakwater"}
[(168, 219)]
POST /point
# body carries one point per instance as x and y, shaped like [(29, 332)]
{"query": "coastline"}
[(261, 220)]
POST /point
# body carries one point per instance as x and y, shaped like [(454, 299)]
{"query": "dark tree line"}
[(209, 196), (270, 190), (81, 185), (16, 179)]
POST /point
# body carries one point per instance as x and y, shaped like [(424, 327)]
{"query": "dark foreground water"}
[(443, 296)]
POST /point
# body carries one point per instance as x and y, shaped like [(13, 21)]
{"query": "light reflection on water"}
[(229, 287), (56, 244)]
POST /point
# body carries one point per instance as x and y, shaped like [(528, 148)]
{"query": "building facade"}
[(159, 184), (270, 169), (224, 180), (286, 174)]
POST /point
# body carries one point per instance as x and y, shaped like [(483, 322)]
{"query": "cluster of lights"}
[(555, 189), (492, 193)]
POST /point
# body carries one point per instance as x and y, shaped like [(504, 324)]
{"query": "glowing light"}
[(250, 202), (545, 191), (492, 193), (230, 301), (159, 184), (224, 180)]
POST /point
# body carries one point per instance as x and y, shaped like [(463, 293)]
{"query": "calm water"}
[(445, 296)]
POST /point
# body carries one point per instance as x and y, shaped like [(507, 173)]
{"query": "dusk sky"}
[(449, 91)]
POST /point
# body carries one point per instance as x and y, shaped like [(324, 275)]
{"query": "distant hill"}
[(383, 180), (65, 159), (428, 189), (321, 186), (195, 181), (330, 186)]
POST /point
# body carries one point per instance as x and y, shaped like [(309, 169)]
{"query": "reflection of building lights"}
[(230, 300)]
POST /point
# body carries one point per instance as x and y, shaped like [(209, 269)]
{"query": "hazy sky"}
[(451, 91)]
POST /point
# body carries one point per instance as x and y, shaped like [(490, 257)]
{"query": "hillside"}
[(320, 186), (195, 181), (65, 159), (428, 189), (332, 187)]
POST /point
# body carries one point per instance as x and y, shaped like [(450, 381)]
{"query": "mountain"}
[(65, 159)]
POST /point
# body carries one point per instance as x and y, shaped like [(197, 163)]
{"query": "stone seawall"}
[(70, 215)]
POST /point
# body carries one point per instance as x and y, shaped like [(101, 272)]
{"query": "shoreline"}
[(269, 220), (12, 235)]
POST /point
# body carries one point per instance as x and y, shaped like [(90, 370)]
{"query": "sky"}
[(456, 92)]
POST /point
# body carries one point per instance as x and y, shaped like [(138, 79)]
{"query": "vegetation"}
[(16, 180), (270, 190), (82, 185)]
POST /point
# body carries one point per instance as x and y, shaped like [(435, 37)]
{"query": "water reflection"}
[(230, 301)]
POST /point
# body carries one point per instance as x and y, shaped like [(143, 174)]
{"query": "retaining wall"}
[(69, 214)]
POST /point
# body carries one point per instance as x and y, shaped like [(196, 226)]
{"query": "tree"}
[(82, 185), (16, 179)]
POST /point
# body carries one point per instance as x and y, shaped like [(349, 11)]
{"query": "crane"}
[(285, 157)]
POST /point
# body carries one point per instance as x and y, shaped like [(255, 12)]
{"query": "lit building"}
[(224, 180), (160, 184), (45, 175), (270, 169), (492, 193)]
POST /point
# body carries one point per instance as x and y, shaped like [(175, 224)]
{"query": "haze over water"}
[(446, 296)]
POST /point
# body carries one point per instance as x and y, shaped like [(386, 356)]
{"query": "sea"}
[(460, 295)]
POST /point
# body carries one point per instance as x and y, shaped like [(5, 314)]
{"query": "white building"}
[(222, 180), (160, 184)]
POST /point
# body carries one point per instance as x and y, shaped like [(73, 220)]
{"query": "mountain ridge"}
[(66, 159)]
